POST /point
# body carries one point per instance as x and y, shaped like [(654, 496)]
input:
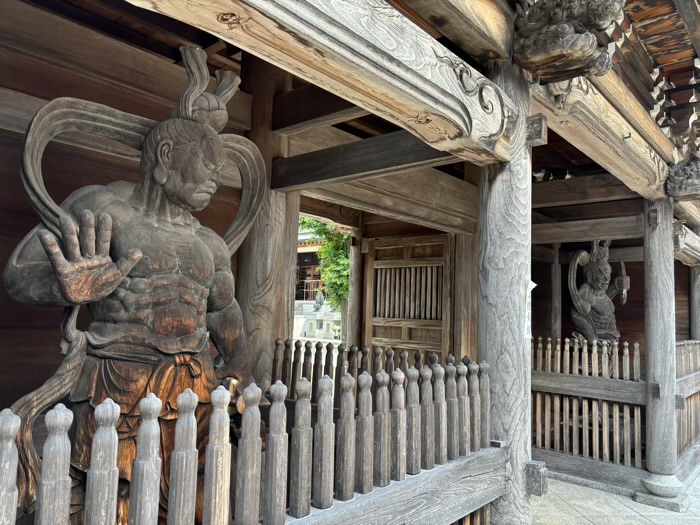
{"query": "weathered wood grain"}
[(474, 408), (324, 447), (345, 441), (584, 230), (440, 408), (398, 426), (372, 55), (463, 409), (686, 245), (183, 462), (579, 190), (275, 491), (413, 423), (301, 453), (441, 496), (9, 460), (364, 468), (382, 431), (504, 278), (591, 387), (427, 430), (659, 316), (248, 462), (217, 467), (103, 474)]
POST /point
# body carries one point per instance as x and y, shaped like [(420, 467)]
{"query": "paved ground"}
[(567, 504)]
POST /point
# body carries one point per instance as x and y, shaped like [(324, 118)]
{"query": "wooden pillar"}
[(660, 329), (504, 279), (267, 257), (695, 300), (354, 322), (465, 321), (556, 293)]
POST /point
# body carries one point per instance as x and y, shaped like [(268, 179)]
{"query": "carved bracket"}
[(683, 181), (555, 39)]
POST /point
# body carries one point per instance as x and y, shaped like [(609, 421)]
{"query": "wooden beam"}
[(580, 190), (327, 211), (627, 254), (310, 107), (587, 120), (690, 14), (542, 254), (372, 56), (536, 130), (381, 155), (633, 392), (483, 28), (85, 53), (686, 245), (596, 210), (586, 230)]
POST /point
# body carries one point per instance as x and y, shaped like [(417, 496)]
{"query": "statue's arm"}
[(612, 290), (224, 317), (584, 294), (29, 277)]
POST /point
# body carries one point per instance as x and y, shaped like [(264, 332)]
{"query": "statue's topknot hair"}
[(196, 103)]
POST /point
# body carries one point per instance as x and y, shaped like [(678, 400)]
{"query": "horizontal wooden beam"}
[(586, 230), (627, 254), (615, 390), (596, 210), (688, 385), (454, 490), (543, 254), (483, 28), (310, 107), (102, 66), (381, 155), (578, 112), (372, 55), (580, 190), (686, 245), (536, 130), (327, 211)]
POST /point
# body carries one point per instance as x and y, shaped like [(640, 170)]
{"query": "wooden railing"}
[(687, 395), (423, 451), (587, 400)]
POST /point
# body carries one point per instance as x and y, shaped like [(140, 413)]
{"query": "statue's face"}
[(600, 276), (193, 171)]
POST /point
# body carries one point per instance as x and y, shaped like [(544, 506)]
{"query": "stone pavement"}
[(567, 504)]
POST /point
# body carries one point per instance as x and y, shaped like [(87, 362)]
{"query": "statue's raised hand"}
[(84, 270)]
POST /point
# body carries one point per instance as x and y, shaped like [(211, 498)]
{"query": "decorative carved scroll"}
[(683, 182), (555, 39)]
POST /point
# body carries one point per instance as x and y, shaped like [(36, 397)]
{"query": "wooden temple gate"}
[(363, 112)]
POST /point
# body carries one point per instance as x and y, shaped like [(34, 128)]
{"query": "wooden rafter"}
[(370, 54), (690, 14)]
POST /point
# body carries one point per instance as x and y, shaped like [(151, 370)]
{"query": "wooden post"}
[(504, 280), (364, 439), (474, 407), (217, 473), (301, 453), (452, 412), (463, 410), (660, 330), (556, 293), (465, 277), (355, 289), (275, 497), (345, 441), (324, 441), (266, 259), (53, 489), (9, 426), (382, 431), (247, 508), (427, 456), (413, 422), (440, 408), (695, 300), (183, 463), (398, 426), (103, 474), (144, 493)]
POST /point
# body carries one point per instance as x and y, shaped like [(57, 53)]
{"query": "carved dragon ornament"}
[(555, 39)]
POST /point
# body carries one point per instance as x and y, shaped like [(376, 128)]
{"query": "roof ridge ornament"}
[(555, 39)]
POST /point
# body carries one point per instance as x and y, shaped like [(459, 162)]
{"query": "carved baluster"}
[(324, 440), (418, 360), (427, 459), (345, 450), (364, 363), (353, 365), (296, 369), (287, 363), (183, 463), (398, 426), (340, 370), (365, 436), (485, 401), (247, 508), (54, 487), (318, 371), (464, 419), (217, 467), (144, 492), (103, 474), (452, 413), (275, 496), (403, 362), (377, 366), (440, 408), (307, 370), (301, 453), (277, 360), (413, 422), (389, 365), (474, 408), (9, 426), (382, 431), (328, 368)]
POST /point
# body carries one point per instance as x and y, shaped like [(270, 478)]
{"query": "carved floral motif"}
[(555, 39)]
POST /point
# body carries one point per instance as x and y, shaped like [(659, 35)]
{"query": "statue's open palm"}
[(84, 270)]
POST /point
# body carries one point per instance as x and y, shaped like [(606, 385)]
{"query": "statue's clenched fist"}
[(85, 271)]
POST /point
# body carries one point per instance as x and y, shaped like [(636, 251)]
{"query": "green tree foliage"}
[(334, 258)]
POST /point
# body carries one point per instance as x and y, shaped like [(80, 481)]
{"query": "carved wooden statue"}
[(593, 314), (157, 283), (555, 39)]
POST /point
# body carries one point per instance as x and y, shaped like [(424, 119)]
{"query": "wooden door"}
[(408, 302)]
